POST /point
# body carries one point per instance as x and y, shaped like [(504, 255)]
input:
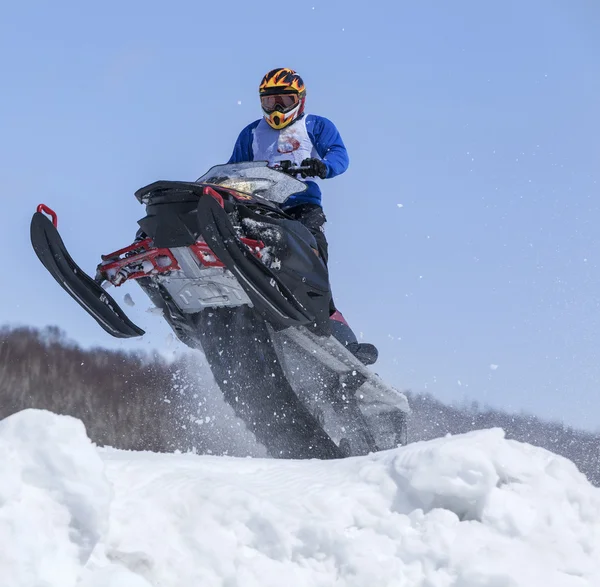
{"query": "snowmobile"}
[(238, 279)]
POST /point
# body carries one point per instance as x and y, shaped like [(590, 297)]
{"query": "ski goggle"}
[(281, 102)]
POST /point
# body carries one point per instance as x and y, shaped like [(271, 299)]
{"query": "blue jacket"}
[(309, 136)]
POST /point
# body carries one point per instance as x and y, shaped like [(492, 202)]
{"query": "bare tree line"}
[(125, 400), (140, 401)]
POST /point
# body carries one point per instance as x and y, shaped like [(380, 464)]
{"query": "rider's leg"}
[(313, 217)]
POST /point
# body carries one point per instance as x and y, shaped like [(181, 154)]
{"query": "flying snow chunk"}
[(493, 367), (400, 205), (128, 300)]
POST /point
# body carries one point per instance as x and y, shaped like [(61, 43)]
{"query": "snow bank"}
[(469, 511), (54, 499)]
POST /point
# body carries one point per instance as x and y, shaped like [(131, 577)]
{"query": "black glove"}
[(316, 168)]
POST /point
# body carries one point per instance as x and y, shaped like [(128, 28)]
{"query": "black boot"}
[(365, 352)]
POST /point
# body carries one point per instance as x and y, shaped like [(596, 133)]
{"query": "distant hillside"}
[(431, 419), (142, 402), (133, 401)]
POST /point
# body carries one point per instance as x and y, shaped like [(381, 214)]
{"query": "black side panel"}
[(171, 218), (51, 251), (170, 212), (170, 225), (267, 292), (299, 268)]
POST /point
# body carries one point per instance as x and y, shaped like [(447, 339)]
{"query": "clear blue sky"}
[(481, 119)]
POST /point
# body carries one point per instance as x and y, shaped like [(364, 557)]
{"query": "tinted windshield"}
[(254, 178)]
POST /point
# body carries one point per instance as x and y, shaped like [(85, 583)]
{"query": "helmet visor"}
[(281, 102)]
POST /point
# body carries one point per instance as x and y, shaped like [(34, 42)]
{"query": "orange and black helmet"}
[(282, 96)]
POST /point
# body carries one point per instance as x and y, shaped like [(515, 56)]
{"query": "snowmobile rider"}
[(286, 133)]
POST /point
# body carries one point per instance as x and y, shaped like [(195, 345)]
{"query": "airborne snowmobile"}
[(240, 280)]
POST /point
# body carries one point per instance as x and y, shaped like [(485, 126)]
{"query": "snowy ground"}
[(469, 511)]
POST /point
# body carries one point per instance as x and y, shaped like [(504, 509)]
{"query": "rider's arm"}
[(242, 151), (328, 144)]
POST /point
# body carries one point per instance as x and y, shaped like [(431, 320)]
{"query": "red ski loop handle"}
[(50, 212)]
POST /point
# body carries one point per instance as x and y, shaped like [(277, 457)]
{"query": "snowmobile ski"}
[(53, 254)]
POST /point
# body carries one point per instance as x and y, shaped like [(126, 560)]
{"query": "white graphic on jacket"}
[(291, 143)]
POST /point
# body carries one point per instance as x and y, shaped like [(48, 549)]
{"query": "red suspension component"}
[(254, 246), (208, 191), (141, 246), (211, 191), (47, 210), (137, 260), (141, 259), (205, 255)]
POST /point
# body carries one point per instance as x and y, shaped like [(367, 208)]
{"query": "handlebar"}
[(288, 168)]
